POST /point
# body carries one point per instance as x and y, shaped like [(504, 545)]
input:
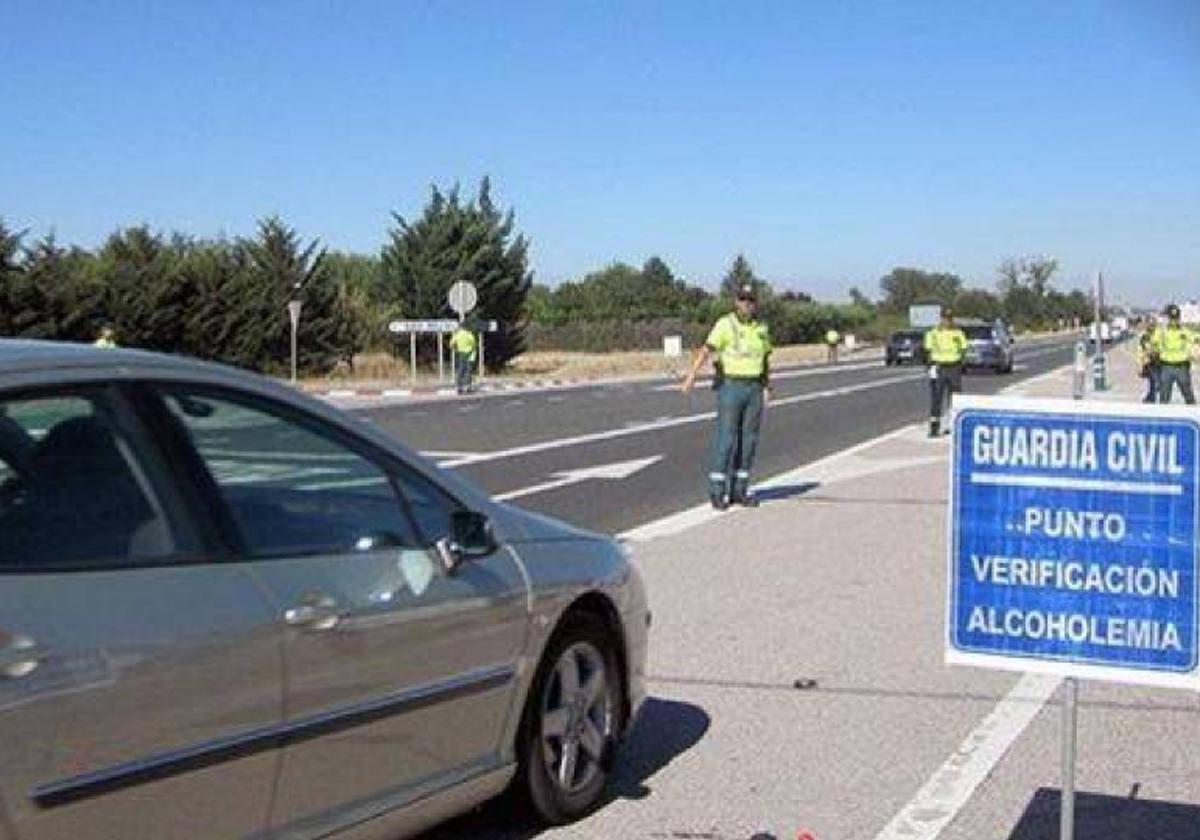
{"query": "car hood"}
[(519, 525)]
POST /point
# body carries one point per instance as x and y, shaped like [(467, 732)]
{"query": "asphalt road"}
[(510, 443)]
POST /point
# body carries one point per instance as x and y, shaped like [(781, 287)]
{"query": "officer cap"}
[(1172, 310), (746, 292)]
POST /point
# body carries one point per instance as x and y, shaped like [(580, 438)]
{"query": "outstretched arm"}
[(697, 362)]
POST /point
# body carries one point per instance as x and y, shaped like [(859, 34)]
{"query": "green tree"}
[(903, 287), (146, 298), (282, 268), (978, 303), (52, 296), (741, 274), (457, 240)]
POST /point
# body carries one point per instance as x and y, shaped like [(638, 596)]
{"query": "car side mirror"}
[(470, 537)]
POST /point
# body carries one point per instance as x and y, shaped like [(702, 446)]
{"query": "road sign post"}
[(1073, 546), (293, 308)]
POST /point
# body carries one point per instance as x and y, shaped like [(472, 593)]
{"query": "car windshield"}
[(976, 333), (908, 335)]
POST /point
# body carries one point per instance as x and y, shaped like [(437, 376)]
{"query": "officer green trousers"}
[(739, 414), (1169, 376)]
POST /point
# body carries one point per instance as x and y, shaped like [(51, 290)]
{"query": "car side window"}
[(430, 506), (290, 485), (76, 487)]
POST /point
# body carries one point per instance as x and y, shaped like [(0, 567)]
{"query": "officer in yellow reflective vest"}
[(945, 349), (742, 346), (831, 341), (463, 343), (1174, 344)]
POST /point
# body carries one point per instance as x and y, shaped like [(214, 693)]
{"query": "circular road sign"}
[(462, 297)]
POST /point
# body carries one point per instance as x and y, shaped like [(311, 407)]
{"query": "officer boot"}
[(933, 427), (741, 494), (716, 491)]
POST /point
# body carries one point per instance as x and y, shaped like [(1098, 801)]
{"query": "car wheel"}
[(572, 720)]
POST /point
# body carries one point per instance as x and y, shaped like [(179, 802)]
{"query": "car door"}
[(137, 675), (399, 674)]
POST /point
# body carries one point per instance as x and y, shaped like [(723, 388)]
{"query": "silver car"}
[(228, 610)]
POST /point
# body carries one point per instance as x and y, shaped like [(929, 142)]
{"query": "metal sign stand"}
[(1066, 826), (441, 371), (293, 308), (1070, 716), (412, 358)]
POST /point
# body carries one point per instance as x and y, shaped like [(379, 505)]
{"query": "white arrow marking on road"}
[(610, 472)]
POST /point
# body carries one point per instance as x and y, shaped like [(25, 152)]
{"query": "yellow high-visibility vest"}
[(946, 345), (1174, 344), (741, 346), (463, 342)]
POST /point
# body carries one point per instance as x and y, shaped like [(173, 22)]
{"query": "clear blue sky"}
[(830, 141)]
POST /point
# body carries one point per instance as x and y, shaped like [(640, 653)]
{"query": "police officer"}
[(463, 343), (1147, 356), (945, 349), (831, 341), (1174, 345), (742, 347)]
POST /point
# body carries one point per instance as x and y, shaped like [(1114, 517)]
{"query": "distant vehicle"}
[(905, 346), (989, 346), (229, 610), (1106, 332)]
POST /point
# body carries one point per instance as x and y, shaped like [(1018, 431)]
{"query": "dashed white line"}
[(938, 802)]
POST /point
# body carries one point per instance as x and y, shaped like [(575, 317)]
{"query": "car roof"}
[(32, 354), (34, 358)]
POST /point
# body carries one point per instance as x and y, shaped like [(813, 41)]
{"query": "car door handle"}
[(316, 612), (19, 657)]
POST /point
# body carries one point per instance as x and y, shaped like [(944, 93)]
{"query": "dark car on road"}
[(989, 346), (905, 346)]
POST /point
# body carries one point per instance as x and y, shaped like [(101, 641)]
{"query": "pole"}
[(481, 334), (294, 306), (1080, 379), (1069, 720), (412, 358), (441, 372)]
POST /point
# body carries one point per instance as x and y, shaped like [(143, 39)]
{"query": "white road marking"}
[(950, 787), (557, 399), (437, 453), (679, 522), (608, 434), (791, 374), (610, 472)]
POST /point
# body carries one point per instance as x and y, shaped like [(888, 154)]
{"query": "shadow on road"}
[(665, 730), (1100, 817), (781, 492)]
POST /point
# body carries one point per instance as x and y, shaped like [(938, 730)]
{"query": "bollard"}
[(1080, 378), (1100, 373)]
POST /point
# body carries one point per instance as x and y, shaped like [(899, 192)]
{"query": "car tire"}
[(567, 711)]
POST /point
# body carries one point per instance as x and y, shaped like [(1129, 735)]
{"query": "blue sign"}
[(1074, 537)]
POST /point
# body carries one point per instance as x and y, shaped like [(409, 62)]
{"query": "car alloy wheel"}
[(577, 718), (573, 718)]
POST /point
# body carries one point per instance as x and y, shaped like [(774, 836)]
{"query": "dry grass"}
[(383, 369)]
